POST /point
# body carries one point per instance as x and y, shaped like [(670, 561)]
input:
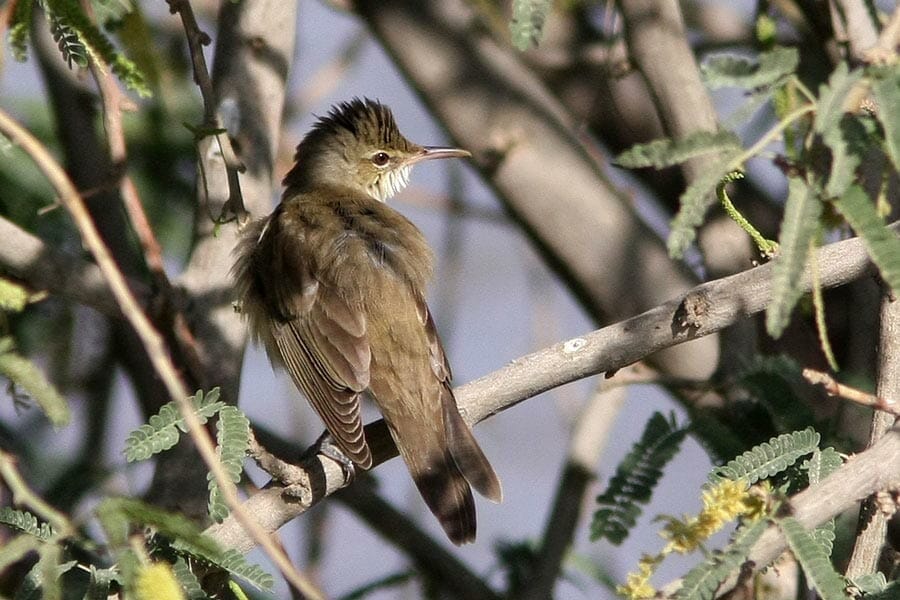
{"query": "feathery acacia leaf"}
[(882, 243), (188, 581), (635, 478), (527, 24), (821, 464), (830, 106), (886, 91), (733, 71), (233, 440), (702, 581), (666, 152), (769, 458), (26, 523), (849, 141), (800, 225), (162, 431), (66, 38), (71, 15), (812, 556)]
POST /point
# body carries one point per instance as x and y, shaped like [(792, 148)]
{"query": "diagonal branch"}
[(704, 310)]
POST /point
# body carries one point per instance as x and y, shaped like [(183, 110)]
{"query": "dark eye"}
[(380, 159)]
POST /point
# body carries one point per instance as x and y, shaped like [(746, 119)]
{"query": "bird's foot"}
[(326, 447)]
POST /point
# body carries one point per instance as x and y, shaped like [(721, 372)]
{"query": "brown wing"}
[(321, 341), (464, 448)]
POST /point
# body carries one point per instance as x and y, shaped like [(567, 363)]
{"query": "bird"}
[(332, 283)]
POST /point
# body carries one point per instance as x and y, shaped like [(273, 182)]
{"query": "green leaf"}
[(527, 25), (733, 71), (753, 103), (849, 143), (188, 581), (769, 458), (235, 563), (830, 107), (25, 373), (881, 242), (821, 464), (702, 582), (886, 91), (26, 523), (667, 152), (66, 38), (870, 583), (798, 229), (814, 560), (695, 201), (70, 15), (162, 432), (233, 440), (635, 478)]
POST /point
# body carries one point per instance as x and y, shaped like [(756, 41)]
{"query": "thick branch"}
[(702, 311)]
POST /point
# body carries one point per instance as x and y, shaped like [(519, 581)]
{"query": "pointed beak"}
[(432, 152)]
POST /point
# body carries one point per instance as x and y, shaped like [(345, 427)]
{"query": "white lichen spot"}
[(574, 345)]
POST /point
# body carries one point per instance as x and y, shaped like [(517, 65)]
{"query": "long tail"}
[(446, 492), (443, 461), (467, 453)]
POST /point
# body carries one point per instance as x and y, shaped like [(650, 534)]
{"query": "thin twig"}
[(151, 339), (112, 102), (836, 388), (212, 124)]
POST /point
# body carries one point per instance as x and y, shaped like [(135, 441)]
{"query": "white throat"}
[(389, 183)]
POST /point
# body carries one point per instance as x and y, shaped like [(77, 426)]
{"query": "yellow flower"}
[(722, 503), (637, 585), (157, 582)]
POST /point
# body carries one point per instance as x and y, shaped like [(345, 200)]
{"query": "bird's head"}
[(358, 145)]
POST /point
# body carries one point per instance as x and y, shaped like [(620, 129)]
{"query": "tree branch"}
[(704, 310)]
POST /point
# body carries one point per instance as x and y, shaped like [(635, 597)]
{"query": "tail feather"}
[(467, 453), (448, 496)]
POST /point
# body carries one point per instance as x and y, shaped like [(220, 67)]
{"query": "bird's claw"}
[(326, 447)]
